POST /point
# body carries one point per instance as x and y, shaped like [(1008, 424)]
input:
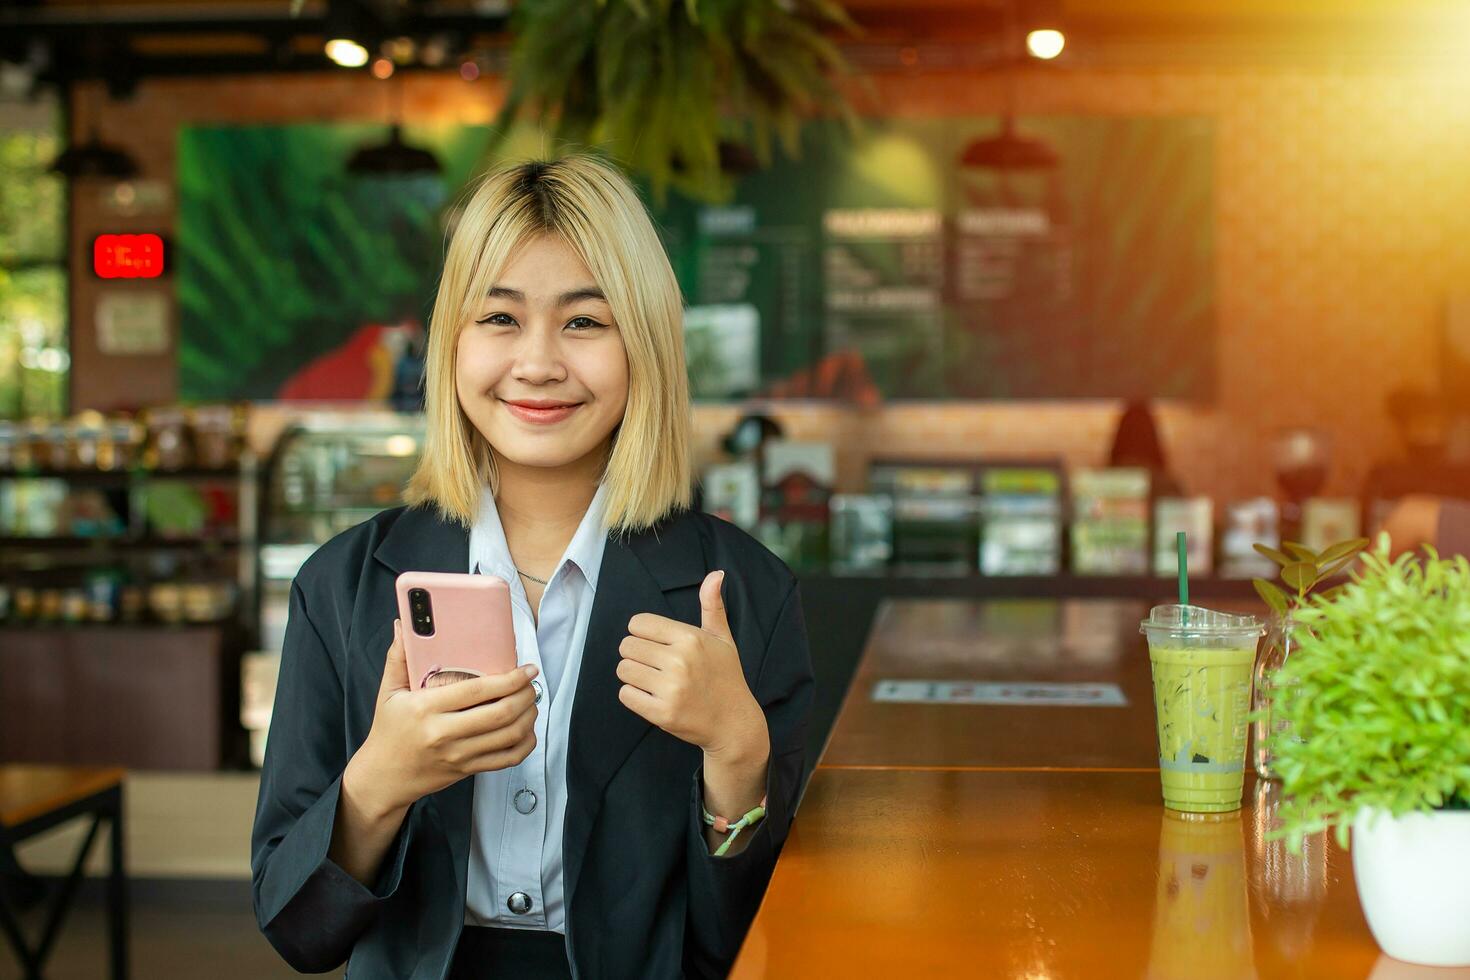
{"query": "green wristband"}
[(723, 826)]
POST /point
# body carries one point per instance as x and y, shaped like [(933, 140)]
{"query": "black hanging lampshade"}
[(393, 158), (94, 158), (1009, 150), (736, 159)]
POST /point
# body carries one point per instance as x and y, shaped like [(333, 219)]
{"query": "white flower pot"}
[(1413, 875)]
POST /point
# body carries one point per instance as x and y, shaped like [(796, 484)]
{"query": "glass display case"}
[(328, 472)]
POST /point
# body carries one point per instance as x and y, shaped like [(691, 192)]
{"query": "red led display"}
[(128, 256)]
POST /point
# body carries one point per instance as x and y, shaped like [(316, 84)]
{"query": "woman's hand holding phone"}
[(422, 741)]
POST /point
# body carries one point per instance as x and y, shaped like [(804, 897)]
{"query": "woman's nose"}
[(538, 356)]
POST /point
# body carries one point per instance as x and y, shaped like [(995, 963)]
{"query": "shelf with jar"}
[(145, 518)]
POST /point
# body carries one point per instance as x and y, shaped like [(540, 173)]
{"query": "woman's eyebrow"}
[(586, 292), (568, 297)]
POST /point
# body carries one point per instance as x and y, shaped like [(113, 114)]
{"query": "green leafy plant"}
[(1375, 696), (1301, 569), (673, 89)]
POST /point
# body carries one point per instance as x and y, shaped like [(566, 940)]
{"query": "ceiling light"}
[(349, 27), (347, 53), (1045, 43)]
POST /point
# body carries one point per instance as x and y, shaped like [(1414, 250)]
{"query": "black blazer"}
[(645, 898)]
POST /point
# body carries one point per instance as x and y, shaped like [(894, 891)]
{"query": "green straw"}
[(1183, 569)]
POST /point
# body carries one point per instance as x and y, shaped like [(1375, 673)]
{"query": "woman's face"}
[(540, 370)]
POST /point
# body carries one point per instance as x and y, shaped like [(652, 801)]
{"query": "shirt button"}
[(519, 903), (525, 801), (536, 686)]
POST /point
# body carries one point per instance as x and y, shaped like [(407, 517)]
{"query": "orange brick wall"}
[(1342, 229)]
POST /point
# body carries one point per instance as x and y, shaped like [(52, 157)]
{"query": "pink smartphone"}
[(455, 626)]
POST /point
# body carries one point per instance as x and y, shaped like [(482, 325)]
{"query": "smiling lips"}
[(541, 411)]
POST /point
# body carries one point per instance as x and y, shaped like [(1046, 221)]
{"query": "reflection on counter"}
[(1201, 912), (1288, 887), (1007, 634)]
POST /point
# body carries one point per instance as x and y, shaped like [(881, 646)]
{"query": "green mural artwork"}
[(873, 261)]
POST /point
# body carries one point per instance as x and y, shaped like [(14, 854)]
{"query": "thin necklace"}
[(539, 581)]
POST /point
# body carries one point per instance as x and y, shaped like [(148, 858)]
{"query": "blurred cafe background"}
[(986, 299)]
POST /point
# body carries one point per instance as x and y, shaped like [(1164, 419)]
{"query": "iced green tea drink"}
[(1202, 662)]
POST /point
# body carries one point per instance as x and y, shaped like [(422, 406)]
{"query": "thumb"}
[(712, 606), (395, 666)]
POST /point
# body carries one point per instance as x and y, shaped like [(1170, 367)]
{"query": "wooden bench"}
[(35, 798)]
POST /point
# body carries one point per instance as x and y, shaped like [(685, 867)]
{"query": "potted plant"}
[(1376, 697)]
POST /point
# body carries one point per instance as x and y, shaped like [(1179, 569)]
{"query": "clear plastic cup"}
[(1202, 665)]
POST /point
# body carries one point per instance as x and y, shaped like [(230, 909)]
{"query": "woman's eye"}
[(498, 318), (583, 323)]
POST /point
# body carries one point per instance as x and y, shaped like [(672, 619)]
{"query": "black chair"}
[(33, 799)]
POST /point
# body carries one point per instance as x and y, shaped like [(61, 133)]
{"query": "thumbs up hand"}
[(688, 681)]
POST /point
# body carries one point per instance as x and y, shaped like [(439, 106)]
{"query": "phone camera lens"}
[(423, 621)]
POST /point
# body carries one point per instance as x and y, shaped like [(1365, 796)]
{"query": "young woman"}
[(614, 806)]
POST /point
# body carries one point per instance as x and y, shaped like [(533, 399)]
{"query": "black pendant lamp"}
[(1009, 150), (393, 158), (735, 159), (94, 158)]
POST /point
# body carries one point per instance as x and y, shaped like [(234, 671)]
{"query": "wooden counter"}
[(1026, 841), (1013, 641), (924, 873)]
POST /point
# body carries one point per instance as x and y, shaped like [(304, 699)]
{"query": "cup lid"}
[(1197, 619)]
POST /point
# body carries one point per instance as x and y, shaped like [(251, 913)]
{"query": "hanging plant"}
[(683, 92)]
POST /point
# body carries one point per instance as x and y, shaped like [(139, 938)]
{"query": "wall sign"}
[(128, 256), (130, 198), (132, 322), (1016, 693)]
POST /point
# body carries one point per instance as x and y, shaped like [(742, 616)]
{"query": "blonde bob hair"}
[(592, 206)]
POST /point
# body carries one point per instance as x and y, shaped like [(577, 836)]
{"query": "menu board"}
[(883, 273), (1021, 529), (744, 264), (1110, 521), (935, 513), (1195, 517), (1327, 521), (1092, 279)]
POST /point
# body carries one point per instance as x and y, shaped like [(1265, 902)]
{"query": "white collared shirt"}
[(518, 814)]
